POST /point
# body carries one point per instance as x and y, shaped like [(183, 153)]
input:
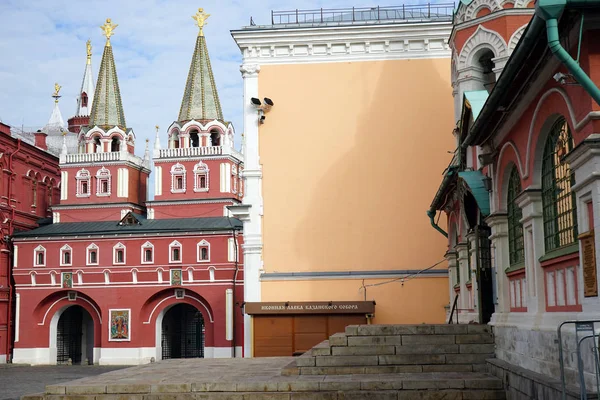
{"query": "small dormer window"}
[(84, 99)]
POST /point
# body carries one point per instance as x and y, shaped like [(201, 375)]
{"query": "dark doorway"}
[(75, 337), (215, 138), (484, 273), (182, 333), (194, 139)]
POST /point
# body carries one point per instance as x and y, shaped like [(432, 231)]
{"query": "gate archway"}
[(75, 336), (182, 332)]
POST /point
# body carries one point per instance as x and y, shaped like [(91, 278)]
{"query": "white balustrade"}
[(199, 151)]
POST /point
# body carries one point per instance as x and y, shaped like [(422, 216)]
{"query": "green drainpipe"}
[(431, 215), (550, 11)]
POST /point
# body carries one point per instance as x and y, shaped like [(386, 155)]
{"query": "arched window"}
[(178, 176), (486, 62), (194, 139), (558, 201), (215, 138), (516, 246), (83, 183), (97, 145), (84, 99), (174, 140), (115, 144), (103, 182), (201, 177)]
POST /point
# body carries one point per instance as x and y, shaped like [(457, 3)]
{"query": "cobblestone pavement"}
[(16, 380)]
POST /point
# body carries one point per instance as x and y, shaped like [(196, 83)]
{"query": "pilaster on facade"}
[(472, 269), (498, 222), (530, 202), (462, 259), (451, 257)]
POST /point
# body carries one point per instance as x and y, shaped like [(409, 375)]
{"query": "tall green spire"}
[(200, 98), (107, 109)]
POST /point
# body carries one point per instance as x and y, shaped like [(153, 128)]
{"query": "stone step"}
[(384, 369), (395, 359), (393, 386), (406, 394), (429, 329)]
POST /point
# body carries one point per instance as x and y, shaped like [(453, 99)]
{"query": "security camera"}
[(255, 102), (268, 101)]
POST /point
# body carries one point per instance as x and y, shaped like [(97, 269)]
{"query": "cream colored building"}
[(337, 172)]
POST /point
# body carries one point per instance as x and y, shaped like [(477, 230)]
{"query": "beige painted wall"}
[(419, 300), (352, 155)]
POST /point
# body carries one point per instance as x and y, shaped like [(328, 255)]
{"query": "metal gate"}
[(484, 273), (69, 335), (182, 333)]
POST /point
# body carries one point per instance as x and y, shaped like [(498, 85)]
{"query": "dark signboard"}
[(311, 307)]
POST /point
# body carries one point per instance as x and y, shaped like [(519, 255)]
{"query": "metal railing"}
[(584, 330), (454, 303), (405, 12), (199, 151)]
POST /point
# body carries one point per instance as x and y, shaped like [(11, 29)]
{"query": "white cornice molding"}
[(490, 17), (342, 44), (96, 205), (155, 203)]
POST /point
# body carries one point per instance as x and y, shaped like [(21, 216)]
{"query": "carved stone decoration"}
[(249, 70)]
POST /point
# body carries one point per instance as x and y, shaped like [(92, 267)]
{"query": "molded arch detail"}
[(481, 38), (515, 38)]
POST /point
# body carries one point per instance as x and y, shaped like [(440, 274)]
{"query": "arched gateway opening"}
[(75, 337), (182, 332)]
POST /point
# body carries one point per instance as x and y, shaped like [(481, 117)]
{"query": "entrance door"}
[(485, 273), (182, 333), (69, 336)]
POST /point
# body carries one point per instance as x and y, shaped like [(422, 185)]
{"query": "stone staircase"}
[(386, 349)]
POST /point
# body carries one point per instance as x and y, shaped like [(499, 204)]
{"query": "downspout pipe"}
[(550, 11), (431, 215)]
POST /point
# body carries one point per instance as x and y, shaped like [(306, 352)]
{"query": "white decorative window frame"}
[(83, 175), (173, 245), (200, 169), (202, 244), (147, 246), (234, 178), (39, 250), (116, 247), (178, 170), (88, 252), (66, 248), (103, 175)]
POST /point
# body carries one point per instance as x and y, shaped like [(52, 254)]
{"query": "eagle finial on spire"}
[(88, 46), (108, 29), (200, 17)]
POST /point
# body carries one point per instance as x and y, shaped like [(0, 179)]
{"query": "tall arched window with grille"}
[(516, 246), (558, 201)]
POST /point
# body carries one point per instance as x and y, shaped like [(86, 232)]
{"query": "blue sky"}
[(42, 42)]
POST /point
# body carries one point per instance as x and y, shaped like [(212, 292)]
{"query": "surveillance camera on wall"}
[(268, 101), (262, 119), (255, 102)]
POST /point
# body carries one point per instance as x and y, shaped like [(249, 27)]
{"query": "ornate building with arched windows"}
[(113, 277), (522, 193)]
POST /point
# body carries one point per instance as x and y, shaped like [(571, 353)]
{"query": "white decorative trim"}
[(481, 38), (122, 182), (119, 246), (67, 298), (64, 180), (103, 175), (210, 316), (39, 250), (301, 45), (200, 170), (96, 206), (473, 8), (157, 180), (88, 252), (175, 244), (197, 201), (83, 176), (499, 163), (145, 246), (64, 249), (203, 243), (515, 38), (178, 171)]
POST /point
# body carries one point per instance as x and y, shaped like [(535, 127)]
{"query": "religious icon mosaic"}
[(119, 327), (175, 277), (67, 279)]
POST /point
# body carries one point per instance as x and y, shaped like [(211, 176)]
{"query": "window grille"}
[(516, 245), (558, 201)]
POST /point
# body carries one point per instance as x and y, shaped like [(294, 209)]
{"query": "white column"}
[(584, 161), (452, 265), (530, 201), (472, 265), (463, 254), (252, 197), (499, 224)]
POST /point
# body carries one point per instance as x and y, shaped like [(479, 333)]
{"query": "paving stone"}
[(339, 385), (338, 339), (467, 358), (128, 388), (476, 328), (70, 397), (351, 330), (298, 386), (266, 396), (256, 386), (412, 359), (476, 348), (305, 361), (390, 330), (322, 349), (339, 361), (449, 394), (366, 395), (331, 370), (374, 340), (474, 338), (214, 387), (169, 396), (171, 388), (219, 396), (120, 397), (85, 389), (428, 349), (486, 383), (290, 371), (433, 383), (427, 339), (35, 396), (362, 350), (381, 385), (55, 389)]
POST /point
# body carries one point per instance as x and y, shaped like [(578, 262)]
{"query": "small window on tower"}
[(83, 183), (119, 256), (84, 188), (84, 99), (65, 254), (39, 259), (179, 183), (175, 252), (147, 253), (93, 257), (67, 257), (103, 178), (178, 175), (201, 177)]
